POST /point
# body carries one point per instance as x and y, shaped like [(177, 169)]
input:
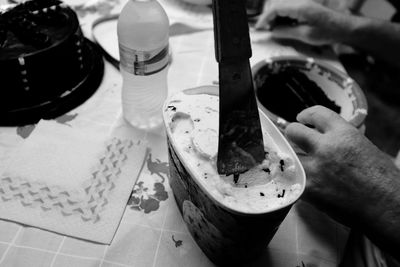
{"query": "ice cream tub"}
[(286, 85), (232, 218)]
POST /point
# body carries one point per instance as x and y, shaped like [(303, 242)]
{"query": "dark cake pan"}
[(63, 100)]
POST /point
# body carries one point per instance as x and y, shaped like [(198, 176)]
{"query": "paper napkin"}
[(74, 181)]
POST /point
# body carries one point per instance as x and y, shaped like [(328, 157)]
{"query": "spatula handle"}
[(231, 30)]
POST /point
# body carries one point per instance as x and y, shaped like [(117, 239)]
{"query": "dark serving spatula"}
[(240, 144)]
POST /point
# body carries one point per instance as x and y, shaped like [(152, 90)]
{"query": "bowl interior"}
[(336, 85)]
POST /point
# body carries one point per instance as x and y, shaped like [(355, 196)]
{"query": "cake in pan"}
[(47, 66)]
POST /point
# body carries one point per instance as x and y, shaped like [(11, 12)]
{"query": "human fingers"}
[(302, 32), (274, 9), (302, 136), (322, 118), (268, 15), (297, 32)]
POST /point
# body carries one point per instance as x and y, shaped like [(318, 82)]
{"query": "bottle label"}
[(143, 63)]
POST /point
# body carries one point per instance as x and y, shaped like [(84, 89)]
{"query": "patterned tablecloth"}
[(152, 232)]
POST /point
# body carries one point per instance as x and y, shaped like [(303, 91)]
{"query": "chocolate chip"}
[(282, 164), (173, 108), (267, 170), (235, 178)]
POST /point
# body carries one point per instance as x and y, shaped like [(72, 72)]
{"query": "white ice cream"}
[(193, 121)]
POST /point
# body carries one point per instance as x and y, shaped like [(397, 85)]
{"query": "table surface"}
[(153, 233)]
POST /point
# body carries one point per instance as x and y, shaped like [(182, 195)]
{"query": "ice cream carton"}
[(232, 219)]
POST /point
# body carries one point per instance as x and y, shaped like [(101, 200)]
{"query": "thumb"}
[(322, 118)]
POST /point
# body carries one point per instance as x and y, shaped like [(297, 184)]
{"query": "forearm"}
[(379, 38), (380, 219)]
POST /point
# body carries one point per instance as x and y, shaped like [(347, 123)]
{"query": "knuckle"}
[(324, 148), (331, 116), (342, 144)]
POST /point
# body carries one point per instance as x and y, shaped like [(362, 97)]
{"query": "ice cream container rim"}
[(213, 90), (360, 98)]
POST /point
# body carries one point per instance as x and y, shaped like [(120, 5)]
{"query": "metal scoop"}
[(240, 138)]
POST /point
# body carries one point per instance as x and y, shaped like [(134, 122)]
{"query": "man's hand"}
[(347, 175), (316, 24)]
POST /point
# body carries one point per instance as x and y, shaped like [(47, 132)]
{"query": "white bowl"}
[(337, 86)]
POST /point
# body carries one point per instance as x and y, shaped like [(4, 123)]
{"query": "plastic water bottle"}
[(143, 33)]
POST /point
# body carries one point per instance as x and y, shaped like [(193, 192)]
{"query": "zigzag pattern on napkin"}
[(72, 203)]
